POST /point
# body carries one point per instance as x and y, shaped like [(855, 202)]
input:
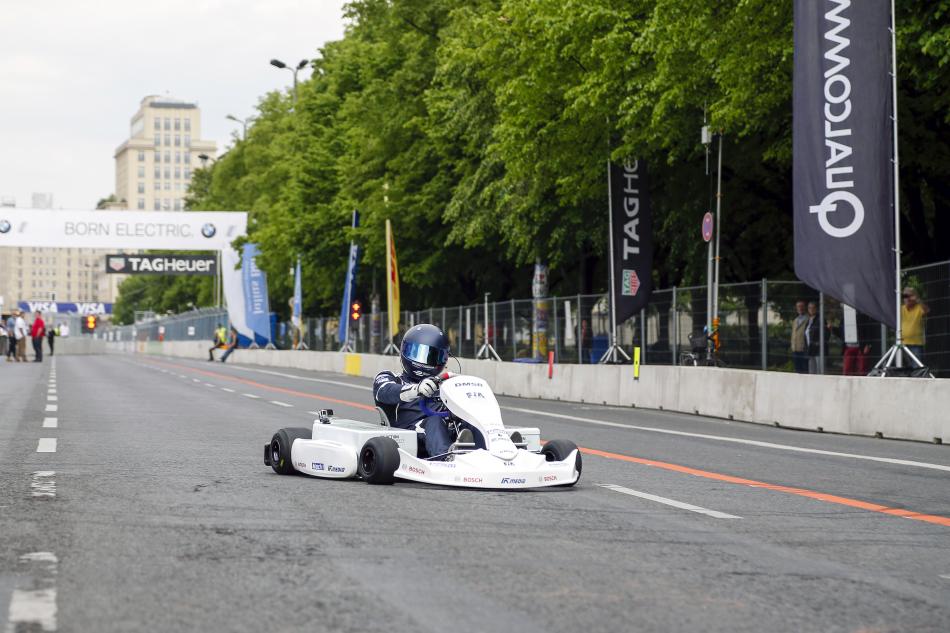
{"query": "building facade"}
[(153, 167)]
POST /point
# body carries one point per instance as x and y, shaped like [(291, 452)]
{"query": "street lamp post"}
[(279, 64), (243, 122)]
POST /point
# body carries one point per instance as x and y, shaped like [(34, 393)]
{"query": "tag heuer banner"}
[(161, 265), (632, 238), (842, 145)]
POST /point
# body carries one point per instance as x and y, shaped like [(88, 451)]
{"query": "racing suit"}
[(438, 438)]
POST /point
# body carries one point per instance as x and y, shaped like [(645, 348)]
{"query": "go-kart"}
[(339, 448)]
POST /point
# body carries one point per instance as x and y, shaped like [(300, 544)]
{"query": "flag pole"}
[(613, 351)]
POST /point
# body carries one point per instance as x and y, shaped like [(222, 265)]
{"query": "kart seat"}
[(387, 414)]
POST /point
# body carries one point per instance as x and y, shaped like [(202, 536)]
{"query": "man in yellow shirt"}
[(913, 314)]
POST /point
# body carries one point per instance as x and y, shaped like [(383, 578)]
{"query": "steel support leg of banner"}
[(613, 354), (897, 357), (391, 350), (486, 350)]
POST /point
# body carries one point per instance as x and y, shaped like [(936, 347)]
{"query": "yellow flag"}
[(392, 283)]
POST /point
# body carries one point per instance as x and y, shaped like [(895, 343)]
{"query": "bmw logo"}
[(208, 230), (4, 226)]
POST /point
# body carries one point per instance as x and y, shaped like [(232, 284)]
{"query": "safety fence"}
[(755, 327)]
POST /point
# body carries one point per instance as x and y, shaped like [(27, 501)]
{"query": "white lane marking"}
[(42, 484), (50, 423), (323, 380), (35, 606), (227, 389), (52, 407), (195, 380), (182, 376), (945, 576), (670, 502), (51, 390), (46, 445), (735, 440), (208, 384), (52, 398), (250, 395), (280, 404)]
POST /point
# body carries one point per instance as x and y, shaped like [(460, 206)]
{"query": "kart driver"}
[(424, 352)]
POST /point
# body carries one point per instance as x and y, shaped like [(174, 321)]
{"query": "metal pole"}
[(821, 333), (643, 336), (897, 208), (718, 231), (514, 344), (557, 336), (673, 326), (580, 339), (709, 299), (610, 264), (764, 327)]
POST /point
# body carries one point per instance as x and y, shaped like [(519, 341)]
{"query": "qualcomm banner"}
[(632, 238), (82, 308), (842, 135), (257, 306), (190, 231)]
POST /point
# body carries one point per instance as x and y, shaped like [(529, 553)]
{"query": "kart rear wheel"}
[(559, 450), (378, 461), (280, 446)]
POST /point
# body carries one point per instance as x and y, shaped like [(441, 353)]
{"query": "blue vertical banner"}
[(349, 287), (256, 305)]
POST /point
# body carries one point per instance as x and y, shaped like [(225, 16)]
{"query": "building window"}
[(158, 140), (141, 155), (168, 156), (158, 156), (177, 186), (141, 203), (168, 172), (187, 140), (141, 171), (158, 186), (187, 158), (168, 139), (168, 185), (177, 124), (188, 125), (158, 172), (141, 187), (177, 157), (168, 123), (158, 205), (177, 172), (177, 204), (158, 123), (187, 173), (178, 140), (166, 204)]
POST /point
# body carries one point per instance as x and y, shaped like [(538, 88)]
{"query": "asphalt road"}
[(150, 508)]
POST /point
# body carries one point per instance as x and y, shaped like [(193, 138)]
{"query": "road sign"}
[(707, 226)]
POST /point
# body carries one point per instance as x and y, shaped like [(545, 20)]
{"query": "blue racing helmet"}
[(424, 351)]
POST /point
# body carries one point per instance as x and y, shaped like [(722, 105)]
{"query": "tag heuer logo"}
[(630, 283), (208, 230), (4, 226), (117, 263)]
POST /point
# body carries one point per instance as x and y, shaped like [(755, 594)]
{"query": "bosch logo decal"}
[(413, 469), (549, 478), (472, 480)]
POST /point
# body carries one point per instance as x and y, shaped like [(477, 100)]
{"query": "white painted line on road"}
[(51, 390), (46, 445), (195, 380), (43, 484), (50, 423), (280, 404), (35, 609), (735, 440), (208, 384), (182, 376), (227, 389), (52, 398), (52, 407), (945, 576), (250, 395), (323, 380), (670, 502)]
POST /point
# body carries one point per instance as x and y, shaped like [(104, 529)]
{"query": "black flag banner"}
[(632, 238), (842, 149)]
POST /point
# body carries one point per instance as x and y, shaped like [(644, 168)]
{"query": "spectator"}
[(232, 344), (50, 335), (11, 336), (813, 338), (798, 348), (913, 315), (3, 336), (21, 333), (856, 345), (219, 341), (38, 333)]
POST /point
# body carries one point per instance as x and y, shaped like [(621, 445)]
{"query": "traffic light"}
[(356, 311), (89, 324)]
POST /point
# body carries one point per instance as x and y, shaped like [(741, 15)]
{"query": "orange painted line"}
[(244, 381), (802, 492)]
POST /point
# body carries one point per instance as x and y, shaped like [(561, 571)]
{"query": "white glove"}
[(424, 389)]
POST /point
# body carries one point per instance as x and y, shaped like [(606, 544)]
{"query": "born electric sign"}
[(161, 265)]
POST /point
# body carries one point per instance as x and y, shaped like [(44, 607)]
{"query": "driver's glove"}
[(425, 389)]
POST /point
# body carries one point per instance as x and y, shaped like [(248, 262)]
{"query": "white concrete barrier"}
[(905, 408)]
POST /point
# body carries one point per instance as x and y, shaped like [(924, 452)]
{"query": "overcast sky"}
[(72, 74)]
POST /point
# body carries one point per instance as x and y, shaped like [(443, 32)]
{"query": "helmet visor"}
[(425, 354)]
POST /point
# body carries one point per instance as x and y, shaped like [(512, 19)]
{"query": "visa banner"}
[(85, 308)]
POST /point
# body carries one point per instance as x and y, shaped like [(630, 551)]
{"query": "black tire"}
[(280, 446), (559, 450), (378, 460)]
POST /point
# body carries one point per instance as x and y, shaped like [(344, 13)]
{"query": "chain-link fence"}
[(756, 323)]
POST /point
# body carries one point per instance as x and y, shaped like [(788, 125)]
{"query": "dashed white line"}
[(43, 484), (208, 384), (670, 502), (52, 398), (52, 407), (250, 395), (46, 445), (51, 390), (280, 404), (35, 606), (227, 389), (195, 380), (50, 423), (182, 376)]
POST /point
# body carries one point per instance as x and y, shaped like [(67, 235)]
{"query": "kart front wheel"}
[(279, 449), (559, 450), (378, 461)]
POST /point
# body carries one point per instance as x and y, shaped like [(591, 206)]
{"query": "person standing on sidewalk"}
[(21, 333), (797, 345), (913, 314), (11, 336), (50, 336), (38, 333)]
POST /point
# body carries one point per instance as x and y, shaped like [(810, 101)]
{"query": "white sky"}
[(72, 74)]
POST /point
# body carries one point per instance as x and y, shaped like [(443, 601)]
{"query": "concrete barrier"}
[(904, 408)]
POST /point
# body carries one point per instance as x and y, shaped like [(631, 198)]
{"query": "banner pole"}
[(897, 210), (610, 238)]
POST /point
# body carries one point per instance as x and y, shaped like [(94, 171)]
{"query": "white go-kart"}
[(338, 448)]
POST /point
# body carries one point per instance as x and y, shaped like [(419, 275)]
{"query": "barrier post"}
[(557, 335), (764, 327), (580, 339), (550, 364), (643, 331), (636, 363), (514, 344)]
